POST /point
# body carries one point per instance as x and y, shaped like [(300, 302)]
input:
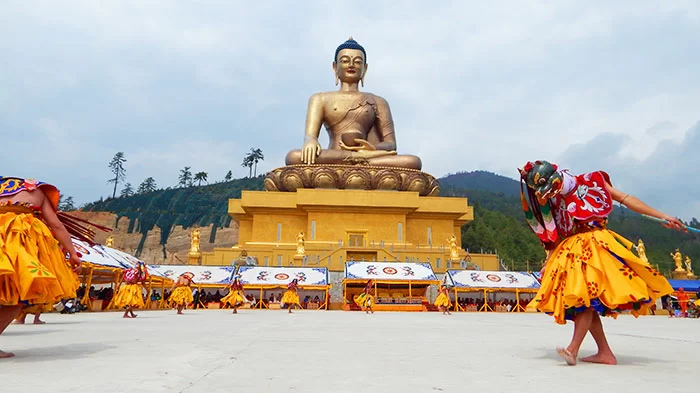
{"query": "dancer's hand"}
[(674, 223), (75, 261)]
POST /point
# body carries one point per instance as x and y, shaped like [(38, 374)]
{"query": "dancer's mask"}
[(542, 177)]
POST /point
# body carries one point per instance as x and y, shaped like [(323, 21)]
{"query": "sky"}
[(472, 85)]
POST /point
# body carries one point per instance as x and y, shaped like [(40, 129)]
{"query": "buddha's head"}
[(350, 62)]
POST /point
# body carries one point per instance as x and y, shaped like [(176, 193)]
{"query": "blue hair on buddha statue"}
[(350, 44)]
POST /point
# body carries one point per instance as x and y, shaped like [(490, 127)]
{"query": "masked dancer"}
[(181, 294), (590, 271), (130, 293), (236, 294), (365, 299), (443, 302), (291, 296)]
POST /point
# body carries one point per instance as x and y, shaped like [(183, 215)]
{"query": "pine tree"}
[(127, 191), (117, 168), (185, 178), (148, 185)]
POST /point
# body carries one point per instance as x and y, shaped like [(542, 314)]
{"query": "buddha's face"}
[(350, 65)]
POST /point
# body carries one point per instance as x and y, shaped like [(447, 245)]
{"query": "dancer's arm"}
[(60, 233), (635, 204)]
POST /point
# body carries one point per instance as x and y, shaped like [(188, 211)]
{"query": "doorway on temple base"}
[(356, 238)]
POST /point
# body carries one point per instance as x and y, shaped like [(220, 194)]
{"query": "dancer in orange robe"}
[(33, 247), (683, 299)]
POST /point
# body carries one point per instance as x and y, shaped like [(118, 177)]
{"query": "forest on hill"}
[(498, 224)]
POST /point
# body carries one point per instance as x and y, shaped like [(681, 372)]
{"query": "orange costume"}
[(33, 266), (683, 299)]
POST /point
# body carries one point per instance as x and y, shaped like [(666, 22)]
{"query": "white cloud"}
[(472, 85)]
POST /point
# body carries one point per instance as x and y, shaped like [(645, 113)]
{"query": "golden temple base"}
[(343, 225)]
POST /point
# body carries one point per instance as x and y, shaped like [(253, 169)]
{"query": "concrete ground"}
[(335, 351)]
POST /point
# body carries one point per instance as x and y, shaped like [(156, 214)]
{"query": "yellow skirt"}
[(364, 300), (597, 270), (233, 298), (181, 295), (129, 295), (443, 300), (290, 297), (32, 266)]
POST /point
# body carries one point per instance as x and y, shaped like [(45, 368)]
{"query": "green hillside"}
[(186, 206), (498, 225)]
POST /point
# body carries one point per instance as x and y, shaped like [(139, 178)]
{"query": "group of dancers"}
[(589, 271), (365, 300), (130, 293)]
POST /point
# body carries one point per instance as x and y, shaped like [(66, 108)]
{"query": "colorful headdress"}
[(349, 44), (540, 182)]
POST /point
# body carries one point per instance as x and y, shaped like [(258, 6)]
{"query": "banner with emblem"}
[(95, 254), (492, 279), (281, 276), (399, 271), (204, 275)]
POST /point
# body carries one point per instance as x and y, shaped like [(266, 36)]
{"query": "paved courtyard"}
[(335, 351)]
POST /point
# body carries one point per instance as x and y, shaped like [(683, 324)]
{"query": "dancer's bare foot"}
[(567, 356), (126, 316), (235, 311), (601, 358), (180, 313), (38, 321), (133, 315), (4, 355), (19, 322)]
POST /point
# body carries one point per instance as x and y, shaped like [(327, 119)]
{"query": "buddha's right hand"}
[(310, 151), (372, 153)]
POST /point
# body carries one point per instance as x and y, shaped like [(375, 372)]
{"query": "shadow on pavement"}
[(51, 353)]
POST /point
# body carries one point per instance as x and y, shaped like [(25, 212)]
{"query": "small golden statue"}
[(678, 260), (454, 248), (194, 242), (359, 124), (110, 241), (301, 249), (688, 265), (641, 251)]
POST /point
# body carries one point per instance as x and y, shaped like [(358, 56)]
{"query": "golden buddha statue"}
[(641, 251), (454, 249), (110, 241), (359, 124), (678, 260), (301, 249), (194, 242), (361, 153), (688, 265)]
